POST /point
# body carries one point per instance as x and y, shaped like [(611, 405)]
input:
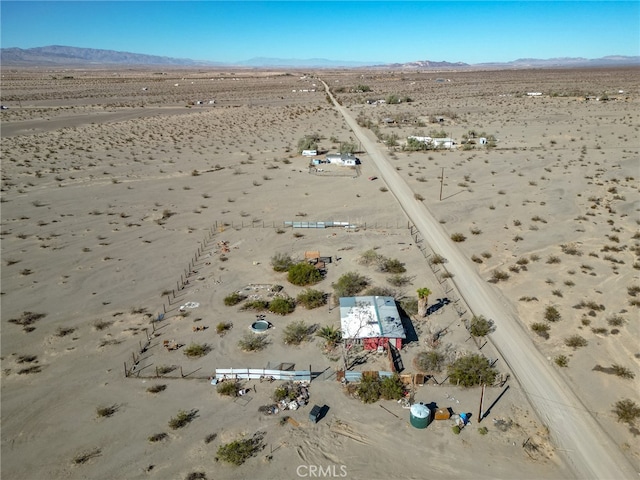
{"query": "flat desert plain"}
[(127, 194)]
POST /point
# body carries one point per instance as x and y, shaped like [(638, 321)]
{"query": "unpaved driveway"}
[(590, 452)]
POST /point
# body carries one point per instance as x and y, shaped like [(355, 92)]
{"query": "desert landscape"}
[(143, 211)]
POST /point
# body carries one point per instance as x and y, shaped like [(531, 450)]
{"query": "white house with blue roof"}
[(373, 321)]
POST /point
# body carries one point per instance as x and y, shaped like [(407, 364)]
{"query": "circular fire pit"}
[(260, 326)]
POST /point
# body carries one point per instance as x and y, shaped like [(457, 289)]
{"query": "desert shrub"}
[(633, 290), (27, 319), (483, 430), (480, 326), (256, 305), (409, 305), (430, 361), (311, 298), (296, 332), (157, 388), (471, 370), (196, 350), (551, 314), (369, 389), (196, 476), (282, 305), (234, 299), (541, 329), (181, 419), (391, 265), (239, 451), (437, 259), (476, 258), (210, 438), (399, 280), (391, 388), (499, 275), (350, 284), (575, 341), (458, 237), (370, 257), (561, 360), (229, 388), (64, 331), (223, 327), (308, 142), (101, 324), (616, 321), (281, 262), (622, 371), (157, 437), (455, 429), (553, 259), (376, 290), (106, 411), (252, 342), (303, 273), (626, 410)]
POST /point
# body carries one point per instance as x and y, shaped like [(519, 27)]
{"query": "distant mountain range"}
[(61, 56)]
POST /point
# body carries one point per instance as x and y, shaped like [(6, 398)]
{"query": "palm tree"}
[(332, 335), (423, 296)]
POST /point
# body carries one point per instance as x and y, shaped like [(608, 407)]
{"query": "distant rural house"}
[(344, 159), (534, 94), (309, 153), (373, 321), (436, 142)]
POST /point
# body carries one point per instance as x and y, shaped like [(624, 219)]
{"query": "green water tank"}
[(420, 415)]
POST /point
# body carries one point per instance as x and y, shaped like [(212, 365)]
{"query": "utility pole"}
[(481, 404), (441, 183)]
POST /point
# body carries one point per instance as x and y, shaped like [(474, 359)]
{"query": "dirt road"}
[(589, 451)]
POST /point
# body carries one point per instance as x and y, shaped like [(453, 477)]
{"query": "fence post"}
[(126, 373)]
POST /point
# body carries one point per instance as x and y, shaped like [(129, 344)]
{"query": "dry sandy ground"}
[(109, 191)]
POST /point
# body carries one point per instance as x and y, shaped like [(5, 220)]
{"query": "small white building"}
[(344, 159), (309, 153)]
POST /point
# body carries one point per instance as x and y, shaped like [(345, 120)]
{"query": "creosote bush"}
[(303, 273), (297, 332), (252, 342), (182, 419), (281, 262), (627, 411), (239, 451), (480, 326), (311, 298), (282, 305), (470, 370), (234, 299), (196, 350), (350, 284), (575, 341), (430, 361)]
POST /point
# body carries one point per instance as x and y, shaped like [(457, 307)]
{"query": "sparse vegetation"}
[(627, 411), (470, 370), (297, 332), (182, 419), (239, 451), (253, 343), (480, 326), (303, 274)]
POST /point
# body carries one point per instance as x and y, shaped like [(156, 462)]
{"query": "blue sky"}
[(387, 31)]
